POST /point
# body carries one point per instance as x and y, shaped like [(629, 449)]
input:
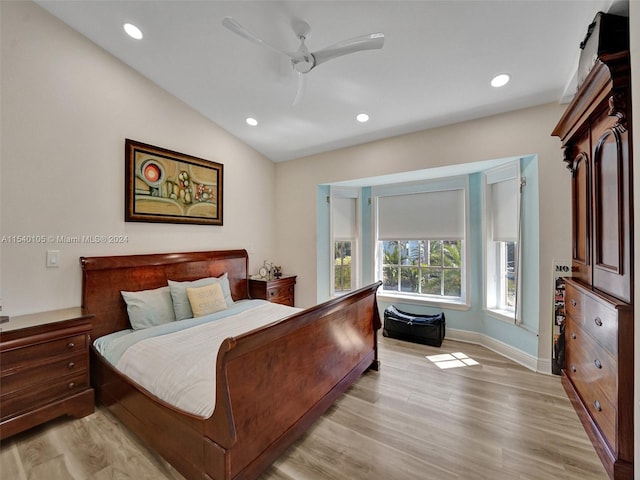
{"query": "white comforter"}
[(180, 367)]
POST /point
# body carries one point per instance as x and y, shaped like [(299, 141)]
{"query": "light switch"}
[(53, 258)]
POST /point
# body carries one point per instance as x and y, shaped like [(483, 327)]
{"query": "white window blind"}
[(504, 195), (344, 218), (437, 215)]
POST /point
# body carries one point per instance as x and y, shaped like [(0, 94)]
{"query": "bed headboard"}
[(104, 277)]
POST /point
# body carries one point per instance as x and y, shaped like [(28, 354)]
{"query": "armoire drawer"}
[(601, 322), (573, 303), (595, 316), (589, 366), (602, 411)]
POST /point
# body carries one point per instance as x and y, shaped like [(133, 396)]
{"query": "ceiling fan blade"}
[(365, 42), (238, 29), (300, 91)]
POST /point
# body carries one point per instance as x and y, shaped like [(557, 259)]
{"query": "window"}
[(421, 231), (506, 275), (422, 267), (342, 266), (345, 235), (502, 213)]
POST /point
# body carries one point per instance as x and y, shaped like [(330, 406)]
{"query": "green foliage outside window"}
[(342, 266), (424, 267)]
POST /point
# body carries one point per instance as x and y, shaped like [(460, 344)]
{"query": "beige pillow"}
[(206, 300)]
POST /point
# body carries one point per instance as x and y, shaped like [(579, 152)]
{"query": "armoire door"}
[(581, 207), (611, 216)]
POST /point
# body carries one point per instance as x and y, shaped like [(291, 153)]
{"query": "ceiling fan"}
[(302, 60)]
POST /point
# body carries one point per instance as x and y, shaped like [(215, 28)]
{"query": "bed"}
[(271, 383)]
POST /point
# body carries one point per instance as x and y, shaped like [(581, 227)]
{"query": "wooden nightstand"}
[(278, 290), (44, 369)]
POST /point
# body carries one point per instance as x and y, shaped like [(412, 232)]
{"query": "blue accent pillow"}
[(148, 308), (181, 305)]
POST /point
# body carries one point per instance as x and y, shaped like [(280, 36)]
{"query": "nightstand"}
[(277, 290), (44, 369)]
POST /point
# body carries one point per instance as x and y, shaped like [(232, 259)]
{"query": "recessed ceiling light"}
[(362, 117), (500, 80), (133, 31), (252, 121)]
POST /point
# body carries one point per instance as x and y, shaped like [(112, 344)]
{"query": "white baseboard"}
[(518, 356)]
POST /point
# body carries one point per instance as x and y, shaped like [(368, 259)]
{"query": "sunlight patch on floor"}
[(451, 360)]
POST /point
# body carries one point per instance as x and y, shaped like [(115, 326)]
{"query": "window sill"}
[(503, 315), (413, 300)]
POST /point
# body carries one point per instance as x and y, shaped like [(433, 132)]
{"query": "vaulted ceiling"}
[(434, 69)]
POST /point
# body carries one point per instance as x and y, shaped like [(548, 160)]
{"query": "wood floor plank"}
[(494, 420), (54, 468), (10, 463)]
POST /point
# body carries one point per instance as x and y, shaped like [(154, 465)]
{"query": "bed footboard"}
[(273, 383)]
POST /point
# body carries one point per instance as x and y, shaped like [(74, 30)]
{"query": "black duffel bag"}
[(425, 329)]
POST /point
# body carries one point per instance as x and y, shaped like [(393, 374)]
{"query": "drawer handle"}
[(72, 385), (573, 302), (597, 363), (573, 335), (70, 365), (272, 293), (573, 368), (598, 321), (71, 345), (597, 405)]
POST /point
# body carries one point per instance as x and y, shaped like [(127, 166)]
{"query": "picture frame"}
[(171, 187)]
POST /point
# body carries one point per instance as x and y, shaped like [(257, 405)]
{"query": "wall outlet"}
[(53, 258)]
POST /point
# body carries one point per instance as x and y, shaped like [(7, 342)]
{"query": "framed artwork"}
[(171, 187)]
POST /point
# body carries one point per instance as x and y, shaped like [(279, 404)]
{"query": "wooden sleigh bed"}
[(271, 383)]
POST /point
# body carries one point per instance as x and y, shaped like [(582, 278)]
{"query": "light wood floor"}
[(409, 421)]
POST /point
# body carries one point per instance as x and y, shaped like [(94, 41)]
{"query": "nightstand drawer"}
[(33, 354), (283, 294), (20, 378), (29, 398), (277, 290)]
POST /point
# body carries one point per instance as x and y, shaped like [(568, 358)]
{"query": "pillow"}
[(147, 308), (181, 305), (206, 300)]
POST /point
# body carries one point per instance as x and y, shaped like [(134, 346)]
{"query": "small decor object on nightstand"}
[(269, 271), (265, 270), (276, 272)]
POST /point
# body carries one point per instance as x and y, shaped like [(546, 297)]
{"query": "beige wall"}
[(517, 133), (67, 107)]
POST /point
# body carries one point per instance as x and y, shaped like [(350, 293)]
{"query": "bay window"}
[(420, 235)]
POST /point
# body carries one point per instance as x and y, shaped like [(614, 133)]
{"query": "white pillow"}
[(147, 308), (181, 305)]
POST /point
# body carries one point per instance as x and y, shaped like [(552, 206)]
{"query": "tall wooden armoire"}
[(598, 372)]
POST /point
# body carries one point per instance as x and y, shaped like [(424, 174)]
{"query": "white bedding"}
[(180, 367)]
